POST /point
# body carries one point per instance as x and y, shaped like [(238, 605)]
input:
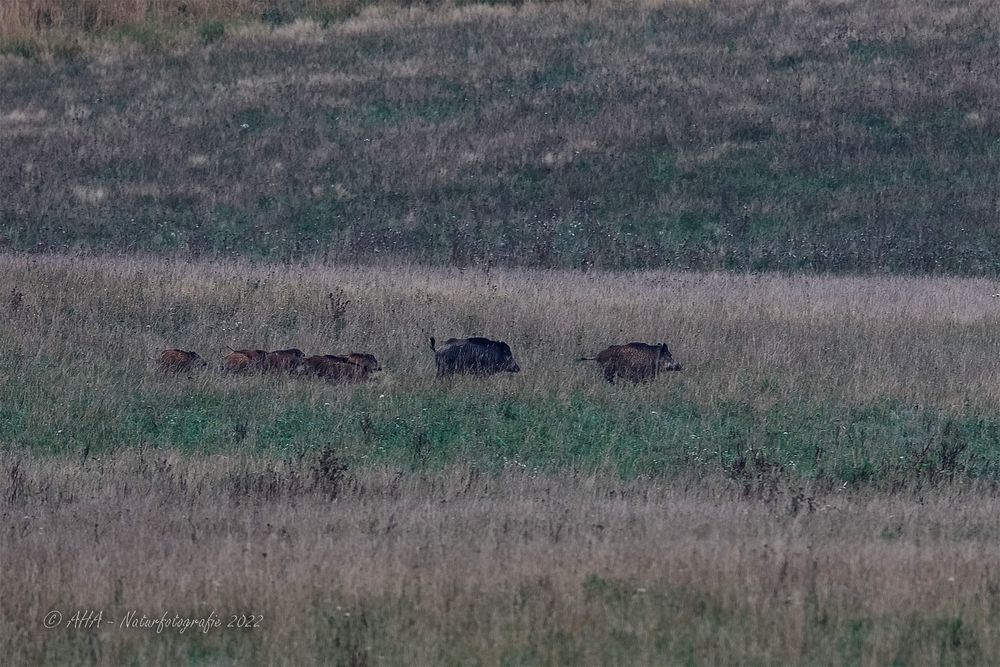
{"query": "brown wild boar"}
[(340, 368), (179, 360), (637, 362), (314, 365), (474, 356), (367, 361), (283, 360), (243, 361)]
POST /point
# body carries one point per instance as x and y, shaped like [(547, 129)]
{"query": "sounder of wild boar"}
[(636, 362)]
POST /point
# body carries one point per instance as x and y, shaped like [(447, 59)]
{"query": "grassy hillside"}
[(849, 136)]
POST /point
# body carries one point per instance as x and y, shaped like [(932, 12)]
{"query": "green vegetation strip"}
[(631, 430)]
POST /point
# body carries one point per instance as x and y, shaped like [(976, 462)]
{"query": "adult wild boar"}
[(635, 361), (179, 360), (242, 361), (283, 360), (473, 356)]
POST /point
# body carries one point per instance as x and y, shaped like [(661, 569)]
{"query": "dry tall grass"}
[(926, 341), (455, 567)]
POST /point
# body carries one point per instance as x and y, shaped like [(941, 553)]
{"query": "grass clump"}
[(22, 48), (211, 31)]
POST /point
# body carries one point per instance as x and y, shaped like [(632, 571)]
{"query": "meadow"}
[(878, 380), (453, 566), (817, 486), (848, 137), (799, 198)]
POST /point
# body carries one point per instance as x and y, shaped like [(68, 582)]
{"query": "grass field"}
[(883, 381), (828, 136), (817, 486), (803, 196), (456, 567)]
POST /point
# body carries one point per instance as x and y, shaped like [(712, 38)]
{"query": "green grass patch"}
[(211, 31), (22, 48), (639, 434), (869, 51)]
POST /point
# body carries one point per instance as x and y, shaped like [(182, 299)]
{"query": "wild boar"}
[(367, 361), (243, 361), (283, 360), (637, 362), (338, 368), (473, 356), (179, 360)]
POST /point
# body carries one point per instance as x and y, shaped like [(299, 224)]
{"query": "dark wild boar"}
[(473, 356), (637, 362), (179, 360)]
